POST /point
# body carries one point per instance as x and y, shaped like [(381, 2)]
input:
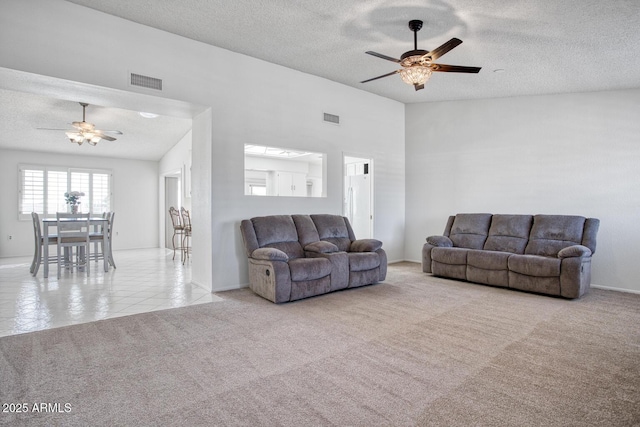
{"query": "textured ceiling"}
[(54, 103), (143, 139), (543, 46)]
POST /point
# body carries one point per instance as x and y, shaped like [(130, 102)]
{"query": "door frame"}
[(370, 161), (162, 203)]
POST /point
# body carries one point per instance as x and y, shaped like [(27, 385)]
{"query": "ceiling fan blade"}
[(379, 77), (379, 55), (418, 87), (54, 129), (454, 68), (115, 132), (106, 137), (441, 50), (101, 134)]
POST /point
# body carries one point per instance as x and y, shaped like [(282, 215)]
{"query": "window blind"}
[(41, 189)]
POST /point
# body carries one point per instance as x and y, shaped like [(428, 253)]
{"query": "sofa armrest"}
[(269, 254), (365, 245), (321, 247), (440, 241), (574, 251)]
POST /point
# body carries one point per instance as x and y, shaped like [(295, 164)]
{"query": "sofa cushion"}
[(269, 254), (278, 231), (455, 256), (509, 233), (321, 247), (360, 261), (309, 268), (541, 285), (365, 245), (470, 230), (574, 251), (488, 267), (534, 265), (442, 241), (551, 233), (307, 232), (333, 228), (488, 260)]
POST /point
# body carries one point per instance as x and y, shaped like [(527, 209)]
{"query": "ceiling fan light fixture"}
[(415, 75), (87, 132), (75, 137), (80, 137)]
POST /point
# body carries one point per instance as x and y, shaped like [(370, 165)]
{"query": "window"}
[(42, 190)]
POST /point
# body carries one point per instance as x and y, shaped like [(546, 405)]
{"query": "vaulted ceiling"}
[(524, 48), (541, 46)]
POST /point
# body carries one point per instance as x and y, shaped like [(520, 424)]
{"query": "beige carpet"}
[(412, 351)]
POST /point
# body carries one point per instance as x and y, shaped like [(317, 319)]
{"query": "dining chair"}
[(73, 235), (39, 241), (186, 238), (97, 238), (178, 230), (69, 215)]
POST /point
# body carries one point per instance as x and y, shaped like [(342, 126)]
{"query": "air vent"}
[(146, 81), (332, 118)]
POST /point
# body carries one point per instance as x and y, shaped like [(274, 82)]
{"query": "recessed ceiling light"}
[(148, 115)]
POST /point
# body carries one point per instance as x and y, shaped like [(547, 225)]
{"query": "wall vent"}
[(332, 118), (145, 81)]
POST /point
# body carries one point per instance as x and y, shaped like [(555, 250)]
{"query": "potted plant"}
[(73, 200)]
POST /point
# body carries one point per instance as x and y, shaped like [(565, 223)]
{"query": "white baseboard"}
[(201, 285), (230, 288), (395, 261), (405, 260), (611, 288)]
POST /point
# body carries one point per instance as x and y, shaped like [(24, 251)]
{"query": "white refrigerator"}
[(358, 204)]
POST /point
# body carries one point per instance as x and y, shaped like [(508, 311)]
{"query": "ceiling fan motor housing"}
[(417, 64), (407, 59), (415, 25)]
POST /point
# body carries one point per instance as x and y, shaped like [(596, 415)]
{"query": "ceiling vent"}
[(145, 81), (332, 118)]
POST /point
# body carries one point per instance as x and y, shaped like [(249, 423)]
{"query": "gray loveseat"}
[(299, 256), (548, 254)]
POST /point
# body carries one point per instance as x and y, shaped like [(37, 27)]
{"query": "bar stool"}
[(186, 238), (178, 230)]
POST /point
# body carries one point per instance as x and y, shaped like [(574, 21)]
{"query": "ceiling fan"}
[(87, 131), (417, 64)]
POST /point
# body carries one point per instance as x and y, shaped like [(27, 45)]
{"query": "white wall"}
[(557, 154), (279, 106), (135, 197), (176, 160)]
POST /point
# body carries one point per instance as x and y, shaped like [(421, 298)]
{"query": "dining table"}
[(94, 221)]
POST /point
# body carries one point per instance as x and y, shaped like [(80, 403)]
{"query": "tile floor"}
[(144, 280)]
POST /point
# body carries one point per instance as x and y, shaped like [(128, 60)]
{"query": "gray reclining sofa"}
[(548, 254), (299, 256)]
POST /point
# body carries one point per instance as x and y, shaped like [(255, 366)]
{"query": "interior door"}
[(171, 198), (358, 195)]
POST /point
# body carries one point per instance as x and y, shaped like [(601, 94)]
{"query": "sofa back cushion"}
[(470, 230), (335, 229), (279, 232), (307, 232), (551, 233), (509, 233)]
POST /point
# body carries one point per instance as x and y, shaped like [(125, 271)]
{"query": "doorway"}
[(172, 197), (358, 195)]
